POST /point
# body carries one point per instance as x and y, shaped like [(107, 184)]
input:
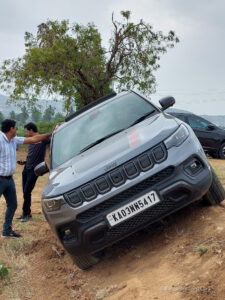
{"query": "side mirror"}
[(211, 127), (166, 102), (41, 169)]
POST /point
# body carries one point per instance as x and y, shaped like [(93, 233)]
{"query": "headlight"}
[(53, 204), (178, 137)]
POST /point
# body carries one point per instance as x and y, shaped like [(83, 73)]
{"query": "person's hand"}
[(21, 162), (56, 125)]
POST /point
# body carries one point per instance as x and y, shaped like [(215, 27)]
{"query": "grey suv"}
[(118, 165)]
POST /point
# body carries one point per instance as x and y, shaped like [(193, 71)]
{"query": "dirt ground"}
[(181, 258)]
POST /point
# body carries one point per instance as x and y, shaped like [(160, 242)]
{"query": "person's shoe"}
[(11, 234), (25, 218), (22, 216)]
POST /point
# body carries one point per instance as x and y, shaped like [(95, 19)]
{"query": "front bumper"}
[(176, 188)]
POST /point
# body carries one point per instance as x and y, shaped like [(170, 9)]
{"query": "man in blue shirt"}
[(8, 144)]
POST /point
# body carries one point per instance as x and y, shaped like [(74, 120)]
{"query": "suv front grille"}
[(117, 176), (126, 195)]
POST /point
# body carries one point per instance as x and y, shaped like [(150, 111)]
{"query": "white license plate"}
[(131, 209)]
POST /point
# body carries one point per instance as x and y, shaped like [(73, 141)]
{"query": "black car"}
[(211, 137)]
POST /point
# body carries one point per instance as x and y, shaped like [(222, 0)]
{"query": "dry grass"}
[(38, 250), (219, 169), (14, 253)]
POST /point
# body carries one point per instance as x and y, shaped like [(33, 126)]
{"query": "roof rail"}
[(90, 105)]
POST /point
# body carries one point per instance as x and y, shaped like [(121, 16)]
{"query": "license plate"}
[(133, 208)]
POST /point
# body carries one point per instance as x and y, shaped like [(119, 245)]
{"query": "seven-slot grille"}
[(117, 176), (125, 195)]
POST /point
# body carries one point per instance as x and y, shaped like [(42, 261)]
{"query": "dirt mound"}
[(181, 258)]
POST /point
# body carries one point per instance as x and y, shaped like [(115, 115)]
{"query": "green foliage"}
[(44, 127), (24, 115), (70, 61), (59, 117), (201, 249), (4, 271), (49, 114), (17, 118), (12, 115), (20, 131), (35, 115), (1, 117)]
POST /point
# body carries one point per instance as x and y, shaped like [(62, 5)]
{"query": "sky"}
[(193, 72)]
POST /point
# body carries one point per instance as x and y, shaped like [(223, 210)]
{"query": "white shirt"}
[(8, 154)]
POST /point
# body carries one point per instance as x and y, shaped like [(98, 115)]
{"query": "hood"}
[(110, 153)]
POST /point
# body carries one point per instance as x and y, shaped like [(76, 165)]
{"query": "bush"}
[(4, 271), (44, 127), (20, 131)]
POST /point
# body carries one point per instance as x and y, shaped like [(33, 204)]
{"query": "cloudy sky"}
[(193, 72)]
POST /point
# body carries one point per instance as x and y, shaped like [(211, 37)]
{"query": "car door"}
[(208, 138)]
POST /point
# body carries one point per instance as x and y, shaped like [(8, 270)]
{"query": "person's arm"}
[(37, 138)]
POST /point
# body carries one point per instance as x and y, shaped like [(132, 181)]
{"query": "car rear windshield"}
[(99, 122)]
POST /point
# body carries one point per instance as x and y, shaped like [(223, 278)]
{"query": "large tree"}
[(1, 117), (24, 115), (12, 115), (70, 61), (35, 114), (48, 115)]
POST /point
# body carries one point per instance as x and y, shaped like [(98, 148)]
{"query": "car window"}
[(181, 117), (97, 123), (197, 122)]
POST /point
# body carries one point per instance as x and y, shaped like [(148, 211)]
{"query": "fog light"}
[(67, 232), (68, 235), (193, 167), (53, 204)]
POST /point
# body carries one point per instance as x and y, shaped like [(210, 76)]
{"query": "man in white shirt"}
[(8, 144)]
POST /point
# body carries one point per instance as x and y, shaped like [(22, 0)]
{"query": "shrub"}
[(3, 271), (44, 127)]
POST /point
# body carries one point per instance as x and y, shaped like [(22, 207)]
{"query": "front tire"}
[(216, 192), (85, 261)]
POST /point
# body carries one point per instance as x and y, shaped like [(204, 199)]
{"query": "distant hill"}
[(6, 108)]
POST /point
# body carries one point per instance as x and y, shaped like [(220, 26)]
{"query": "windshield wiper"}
[(100, 140), (142, 118)]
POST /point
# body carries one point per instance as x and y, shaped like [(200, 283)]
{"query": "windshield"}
[(99, 122)]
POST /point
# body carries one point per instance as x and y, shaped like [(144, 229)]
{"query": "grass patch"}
[(37, 218), (201, 249), (4, 271), (21, 226), (12, 247), (220, 171), (17, 245)]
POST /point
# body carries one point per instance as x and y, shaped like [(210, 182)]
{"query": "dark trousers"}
[(8, 189), (28, 179)]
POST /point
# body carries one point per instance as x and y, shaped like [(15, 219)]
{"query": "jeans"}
[(29, 179), (8, 189)]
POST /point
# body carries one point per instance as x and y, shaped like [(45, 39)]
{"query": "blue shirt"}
[(8, 154)]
